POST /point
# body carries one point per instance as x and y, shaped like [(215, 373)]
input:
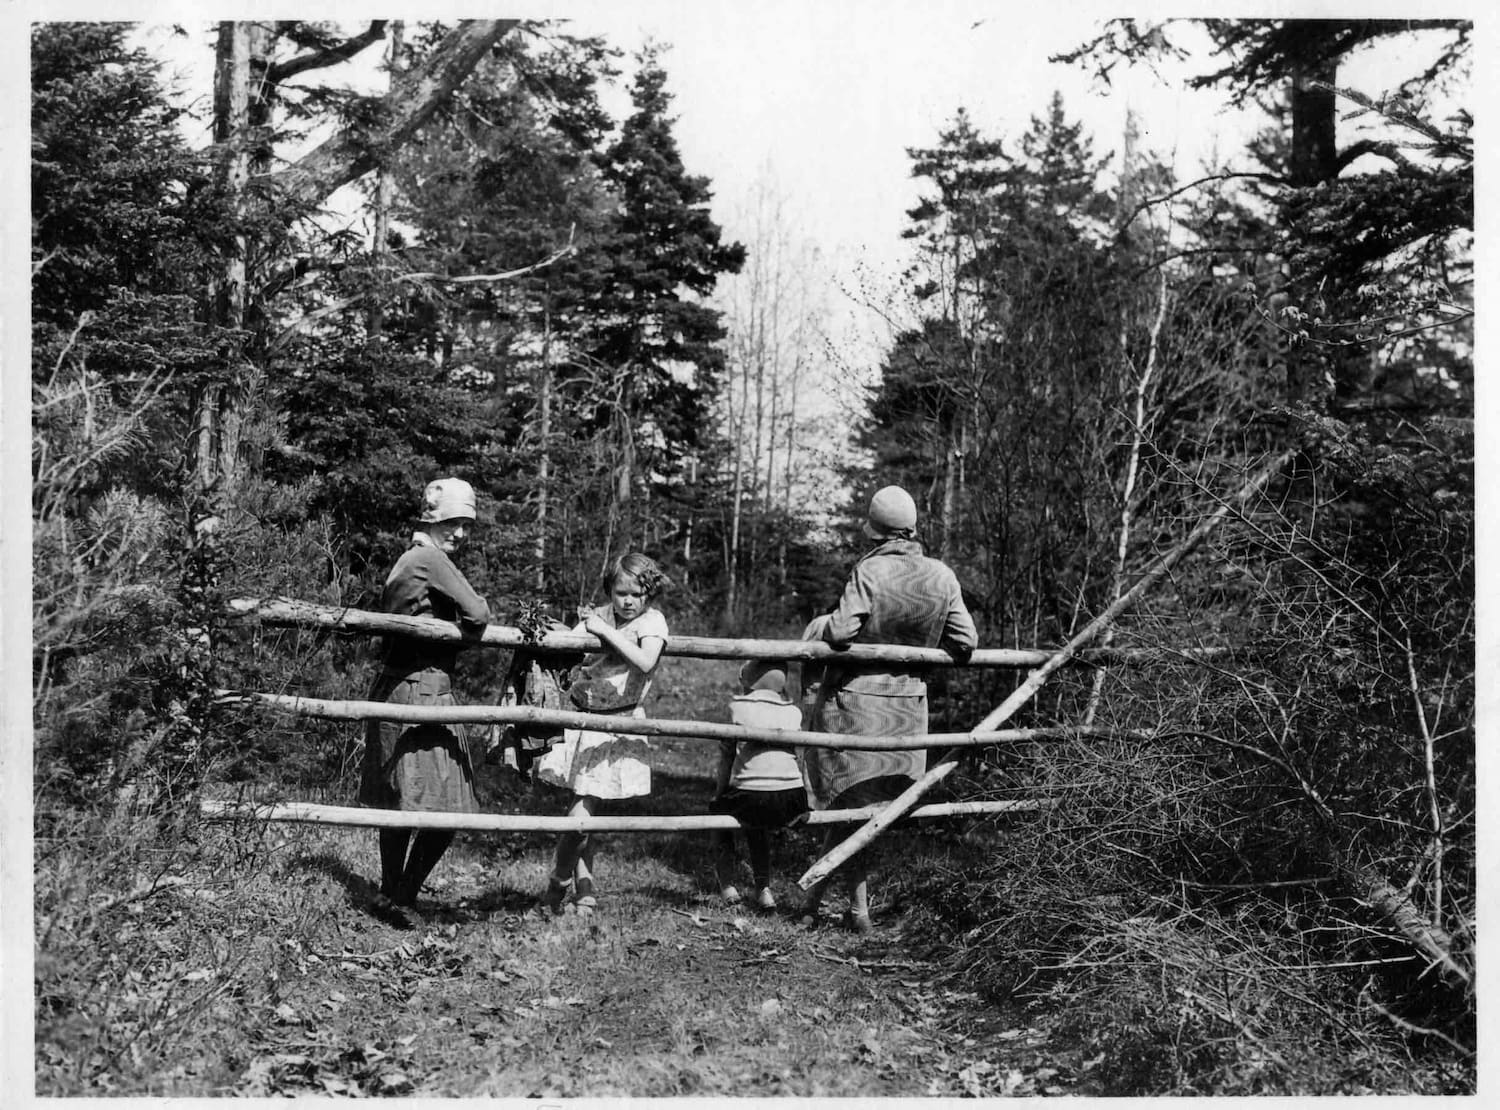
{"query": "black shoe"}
[(390, 911)]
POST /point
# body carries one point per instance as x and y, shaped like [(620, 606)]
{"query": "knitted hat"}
[(764, 674), (891, 510), (447, 499)]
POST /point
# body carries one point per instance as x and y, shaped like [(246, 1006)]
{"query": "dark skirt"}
[(417, 767), (762, 809)]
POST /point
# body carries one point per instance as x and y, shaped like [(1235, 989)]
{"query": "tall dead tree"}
[(245, 83)]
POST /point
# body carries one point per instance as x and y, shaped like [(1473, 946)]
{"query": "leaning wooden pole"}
[(361, 817), (344, 710), (1027, 690)]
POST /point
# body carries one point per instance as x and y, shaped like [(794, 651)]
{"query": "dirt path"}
[(665, 991), (645, 998)]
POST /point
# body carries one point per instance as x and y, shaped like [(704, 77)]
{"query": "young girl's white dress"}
[(607, 764)]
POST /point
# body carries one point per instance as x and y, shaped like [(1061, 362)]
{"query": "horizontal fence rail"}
[(285, 612), (358, 816), (644, 726)]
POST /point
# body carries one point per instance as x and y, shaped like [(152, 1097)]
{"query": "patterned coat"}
[(895, 595)]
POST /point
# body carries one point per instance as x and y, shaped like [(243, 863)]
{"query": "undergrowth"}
[(1094, 910)]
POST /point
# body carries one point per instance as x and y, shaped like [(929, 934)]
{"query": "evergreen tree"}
[(120, 220), (993, 409), (1367, 253), (649, 353)]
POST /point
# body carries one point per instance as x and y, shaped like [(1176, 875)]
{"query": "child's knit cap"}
[(764, 674)]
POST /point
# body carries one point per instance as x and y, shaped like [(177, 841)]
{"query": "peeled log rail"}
[(359, 816), (1158, 570), (288, 612), (643, 726)]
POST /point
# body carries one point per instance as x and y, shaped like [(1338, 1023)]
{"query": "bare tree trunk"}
[(689, 525), (624, 484), (731, 587), (384, 188), (1313, 159), (1132, 468), (218, 418), (544, 436)]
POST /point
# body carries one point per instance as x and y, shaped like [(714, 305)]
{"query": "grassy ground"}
[(192, 959), (256, 968)]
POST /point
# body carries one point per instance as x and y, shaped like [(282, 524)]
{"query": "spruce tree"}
[(651, 351)]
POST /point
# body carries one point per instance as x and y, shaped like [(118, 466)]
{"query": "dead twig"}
[(146, 890), (1435, 850)]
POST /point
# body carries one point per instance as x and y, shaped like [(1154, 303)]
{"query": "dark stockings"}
[(758, 841), (402, 874)]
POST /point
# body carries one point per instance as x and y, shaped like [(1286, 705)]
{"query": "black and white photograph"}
[(892, 551)]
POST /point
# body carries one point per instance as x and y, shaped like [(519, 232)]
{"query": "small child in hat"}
[(758, 783)]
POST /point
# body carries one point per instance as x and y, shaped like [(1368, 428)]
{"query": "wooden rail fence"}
[(291, 612), (294, 613)]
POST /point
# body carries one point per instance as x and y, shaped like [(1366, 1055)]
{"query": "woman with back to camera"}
[(422, 767), (895, 595)]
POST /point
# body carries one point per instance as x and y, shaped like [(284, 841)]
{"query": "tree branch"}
[(475, 279), (1151, 202), (1385, 149), (333, 55), (412, 101)]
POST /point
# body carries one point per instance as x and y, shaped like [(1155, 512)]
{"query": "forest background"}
[(1086, 353)]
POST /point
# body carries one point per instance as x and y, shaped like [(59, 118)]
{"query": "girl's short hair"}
[(642, 568)]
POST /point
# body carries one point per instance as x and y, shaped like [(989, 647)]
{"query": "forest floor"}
[(664, 991), (274, 977)]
